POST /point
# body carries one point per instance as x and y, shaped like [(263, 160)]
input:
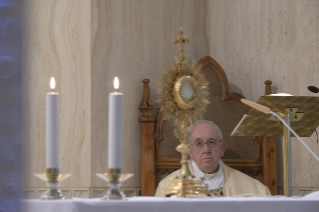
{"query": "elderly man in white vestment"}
[(207, 148)]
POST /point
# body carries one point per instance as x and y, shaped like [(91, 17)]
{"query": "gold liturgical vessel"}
[(301, 113), (183, 94)]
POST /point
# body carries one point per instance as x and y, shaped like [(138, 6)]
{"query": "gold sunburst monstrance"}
[(183, 92)]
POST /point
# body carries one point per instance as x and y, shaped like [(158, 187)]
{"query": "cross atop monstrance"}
[(181, 41)]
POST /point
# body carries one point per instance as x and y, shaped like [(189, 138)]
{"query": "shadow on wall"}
[(235, 88), (11, 105)]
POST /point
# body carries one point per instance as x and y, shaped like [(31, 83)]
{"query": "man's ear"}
[(223, 147)]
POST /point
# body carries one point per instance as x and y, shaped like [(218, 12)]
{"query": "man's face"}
[(206, 158)]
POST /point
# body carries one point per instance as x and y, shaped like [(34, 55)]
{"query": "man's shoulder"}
[(164, 183), (242, 183), (233, 173), (167, 179)]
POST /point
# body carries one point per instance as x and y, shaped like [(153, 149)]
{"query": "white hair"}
[(190, 128)]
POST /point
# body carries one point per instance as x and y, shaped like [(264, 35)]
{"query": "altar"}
[(156, 204)]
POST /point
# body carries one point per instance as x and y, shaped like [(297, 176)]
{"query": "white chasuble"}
[(230, 180)]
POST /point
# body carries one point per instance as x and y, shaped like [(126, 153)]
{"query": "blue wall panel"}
[(11, 105)]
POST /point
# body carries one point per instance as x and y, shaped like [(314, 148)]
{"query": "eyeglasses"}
[(212, 144)]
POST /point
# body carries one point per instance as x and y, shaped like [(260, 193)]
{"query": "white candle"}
[(115, 128), (52, 128)]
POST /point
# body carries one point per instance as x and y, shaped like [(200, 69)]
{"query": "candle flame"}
[(116, 83), (52, 83)]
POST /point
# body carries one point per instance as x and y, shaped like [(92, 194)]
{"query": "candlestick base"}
[(114, 178), (52, 177)]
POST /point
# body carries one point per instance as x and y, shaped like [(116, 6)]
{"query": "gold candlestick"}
[(114, 178), (52, 177)]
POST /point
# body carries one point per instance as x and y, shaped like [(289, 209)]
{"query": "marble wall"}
[(57, 44), (273, 40), (132, 40), (84, 44)]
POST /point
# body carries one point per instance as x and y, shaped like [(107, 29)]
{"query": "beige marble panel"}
[(58, 44), (268, 39), (132, 40)]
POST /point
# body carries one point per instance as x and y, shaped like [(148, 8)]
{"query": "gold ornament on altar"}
[(184, 94), (183, 90)]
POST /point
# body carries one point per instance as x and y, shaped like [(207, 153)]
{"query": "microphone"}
[(313, 89)]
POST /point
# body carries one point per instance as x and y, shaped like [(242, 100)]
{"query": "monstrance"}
[(184, 95)]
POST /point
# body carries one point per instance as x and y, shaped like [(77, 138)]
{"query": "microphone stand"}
[(283, 121)]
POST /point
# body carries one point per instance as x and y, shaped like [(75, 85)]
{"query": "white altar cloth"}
[(156, 204)]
